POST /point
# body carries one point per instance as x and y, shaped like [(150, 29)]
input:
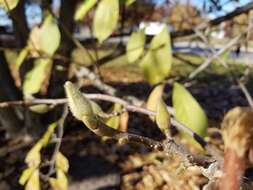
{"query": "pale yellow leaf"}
[(33, 156), (154, 97), (55, 185), (62, 179), (45, 39), (82, 10), (21, 57), (34, 182), (135, 45), (105, 19), (8, 5), (62, 162), (163, 117), (35, 77), (48, 133), (114, 122), (40, 108), (26, 174)]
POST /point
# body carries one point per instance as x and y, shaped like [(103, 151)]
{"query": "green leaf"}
[(62, 162), (79, 105), (8, 5), (96, 108), (154, 97), (34, 181), (105, 20), (188, 111), (135, 45), (35, 77), (163, 117), (84, 8), (21, 57), (26, 174), (40, 108), (33, 156), (156, 64), (114, 122), (46, 38)]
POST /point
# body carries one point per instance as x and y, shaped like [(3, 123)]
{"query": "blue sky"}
[(227, 8), (33, 11)]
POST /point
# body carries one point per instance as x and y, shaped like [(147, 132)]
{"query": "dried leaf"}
[(124, 117)]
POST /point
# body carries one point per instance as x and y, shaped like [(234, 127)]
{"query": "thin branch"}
[(59, 141), (127, 105), (208, 61)]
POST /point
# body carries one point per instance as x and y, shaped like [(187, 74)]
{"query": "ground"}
[(97, 163)]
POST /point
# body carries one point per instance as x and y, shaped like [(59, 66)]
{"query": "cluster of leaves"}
[(187, 109), (31, 176), (155, 62)]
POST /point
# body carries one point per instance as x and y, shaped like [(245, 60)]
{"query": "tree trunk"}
[(8, 91), (66, 22)]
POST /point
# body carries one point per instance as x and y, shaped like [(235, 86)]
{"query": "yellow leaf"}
[(35, 77), (34, 181), (135, 45), (33, 156), (26, 174), (105, 19), (8, 5), (163, 117), (21, 57), (114, 122), (62, 162), (154, 97), (62, 179), (48, 133), (54, 184), (85, 6), (40, 108), (46, 38), (129, 2)]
